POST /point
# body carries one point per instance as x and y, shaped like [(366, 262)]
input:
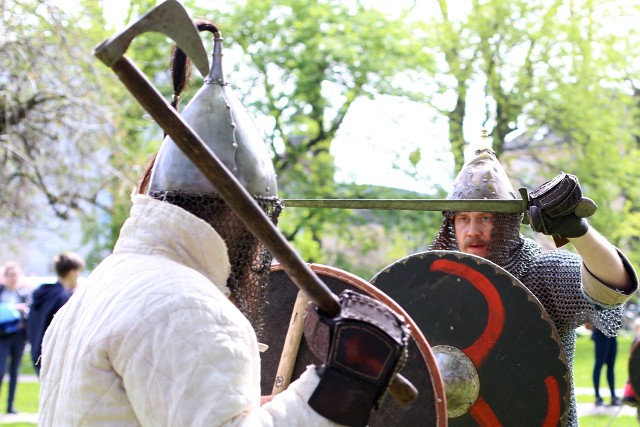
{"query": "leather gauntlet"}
[(363, 348), (558, 208)]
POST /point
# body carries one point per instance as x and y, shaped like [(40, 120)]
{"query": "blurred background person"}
[(48, 298), (12, 338), (606, 349)]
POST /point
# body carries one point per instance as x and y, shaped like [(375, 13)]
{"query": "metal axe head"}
[(168, 18)]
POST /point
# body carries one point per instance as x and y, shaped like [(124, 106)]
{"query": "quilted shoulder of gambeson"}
[(159, 228), (136, 336)]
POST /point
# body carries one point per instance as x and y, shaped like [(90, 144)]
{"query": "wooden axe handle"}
[(291, 345), (228, 187)]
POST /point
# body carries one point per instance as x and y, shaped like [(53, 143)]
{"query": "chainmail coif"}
[(552, 276), (249, 258)]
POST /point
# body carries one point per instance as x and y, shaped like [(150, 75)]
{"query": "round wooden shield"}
[(634, 368), (420, 368), (469, 303)]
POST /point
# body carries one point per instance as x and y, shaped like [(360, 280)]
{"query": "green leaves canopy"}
[(559, 88), (304, 63)]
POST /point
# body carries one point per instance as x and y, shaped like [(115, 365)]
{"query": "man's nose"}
[(474, 228)]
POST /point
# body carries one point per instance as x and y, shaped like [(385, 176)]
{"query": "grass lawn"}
[(27, 393), (26, 397), (605, 421), (582, 374)]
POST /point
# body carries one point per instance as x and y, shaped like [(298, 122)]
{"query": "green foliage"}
[(370, 239), (134, 137), (562, 76), (305, 62), (547, 68), (78, 148), (137, 136), (594, 114), (52, 120)]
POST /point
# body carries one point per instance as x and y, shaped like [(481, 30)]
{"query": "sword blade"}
[(468, 205)]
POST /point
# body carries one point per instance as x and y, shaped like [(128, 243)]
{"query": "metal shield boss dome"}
[(482, 177), (217, 115)]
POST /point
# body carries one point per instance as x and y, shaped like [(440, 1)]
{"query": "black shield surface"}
[(469, 303)]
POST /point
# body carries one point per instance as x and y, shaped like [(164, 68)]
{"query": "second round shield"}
[(420, 368), (468, 303)]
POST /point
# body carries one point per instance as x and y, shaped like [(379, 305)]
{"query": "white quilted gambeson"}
[(153, 340)]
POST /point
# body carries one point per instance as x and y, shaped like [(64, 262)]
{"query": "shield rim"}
[(555, 335), (420, 340)]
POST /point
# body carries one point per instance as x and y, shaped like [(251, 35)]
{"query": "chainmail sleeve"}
[(554, 278)]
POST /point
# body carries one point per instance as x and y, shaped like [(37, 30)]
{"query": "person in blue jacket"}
[(13, 336), (49, 298)]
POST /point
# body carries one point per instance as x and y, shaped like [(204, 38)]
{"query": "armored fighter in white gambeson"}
[(164, 332)]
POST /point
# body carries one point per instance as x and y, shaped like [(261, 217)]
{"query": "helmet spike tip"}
[(483, 144)]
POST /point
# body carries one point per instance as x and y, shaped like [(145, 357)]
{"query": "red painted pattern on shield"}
[(479, 350), (553, 408), (483, 414)]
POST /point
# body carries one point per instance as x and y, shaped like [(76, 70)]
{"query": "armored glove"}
[(558, 208), (363, 348)]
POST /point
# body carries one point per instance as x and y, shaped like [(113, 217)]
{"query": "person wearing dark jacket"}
[(49, 298)]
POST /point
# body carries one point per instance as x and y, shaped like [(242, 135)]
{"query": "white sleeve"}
[(290, 407), (191, 364)]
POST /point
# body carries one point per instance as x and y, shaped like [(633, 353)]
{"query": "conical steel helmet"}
[(216, 114), (482, 177)]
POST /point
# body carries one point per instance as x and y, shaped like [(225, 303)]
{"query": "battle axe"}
[(171, 19)]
